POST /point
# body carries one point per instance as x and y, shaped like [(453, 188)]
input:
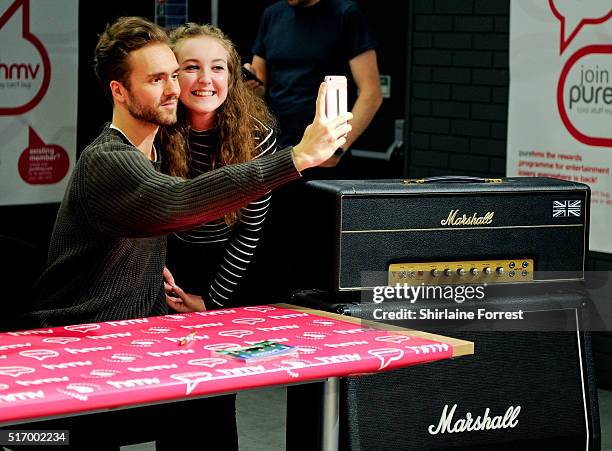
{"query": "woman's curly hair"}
[(236, 119)]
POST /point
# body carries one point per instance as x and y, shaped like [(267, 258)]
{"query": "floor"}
[(261, 422), (605, 412)]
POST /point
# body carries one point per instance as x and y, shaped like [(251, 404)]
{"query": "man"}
[(300, 42), (107, 250)]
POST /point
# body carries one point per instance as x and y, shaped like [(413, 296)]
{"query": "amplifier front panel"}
[(378, 231)]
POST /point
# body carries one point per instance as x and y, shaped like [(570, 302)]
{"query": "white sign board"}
[(560, 111), (38, 98)]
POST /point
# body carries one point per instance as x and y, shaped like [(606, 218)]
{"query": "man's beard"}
[(153, 115)]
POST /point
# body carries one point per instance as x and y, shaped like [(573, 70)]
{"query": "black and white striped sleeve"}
[(240, 248)]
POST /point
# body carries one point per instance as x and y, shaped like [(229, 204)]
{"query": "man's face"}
[(153, 85), (302, 3)]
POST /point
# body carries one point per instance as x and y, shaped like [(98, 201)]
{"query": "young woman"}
[(221, 122)]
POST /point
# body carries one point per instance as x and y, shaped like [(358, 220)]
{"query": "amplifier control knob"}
[(474, 271), (448, 272), (512, 265), (525, 264), (435, 272), (499, 271), (487, 270), (411, 273), (461, 271), (524, 272)]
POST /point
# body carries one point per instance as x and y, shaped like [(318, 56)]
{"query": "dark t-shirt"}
[(303, 45)]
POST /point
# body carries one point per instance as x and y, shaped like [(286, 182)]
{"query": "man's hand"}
[(254, 85), (322, 137), (332, 162)]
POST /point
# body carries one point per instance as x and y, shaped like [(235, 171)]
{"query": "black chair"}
[(21, 264)]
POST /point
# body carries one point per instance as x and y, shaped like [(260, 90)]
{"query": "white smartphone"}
[(336, 98)]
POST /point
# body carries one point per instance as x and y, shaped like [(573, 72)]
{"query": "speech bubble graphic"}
[(60, 340), (595, 91), (393, 338), (41, 163), (304, 349), (221, 346), (142, 343), (249, 321), (386, 356), (101, 373), (192, 379), (83, 328), (210, 362), (323, 322), (575, 15), (260, 309), (291, 365), (174, 318), (122, 358), (25, 68), (80, 391), (82, 388), (39, 354), (15, 371), (235, 333), (314, 335), (157, 330)]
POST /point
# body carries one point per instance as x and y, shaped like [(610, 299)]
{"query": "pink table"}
[(56, 372)]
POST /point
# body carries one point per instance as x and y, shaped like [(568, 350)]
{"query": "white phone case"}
[(336, 98)]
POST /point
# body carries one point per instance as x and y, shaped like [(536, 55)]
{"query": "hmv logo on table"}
[(469, 423)]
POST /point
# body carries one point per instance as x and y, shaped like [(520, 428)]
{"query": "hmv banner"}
[(560, 112), (38, 99)]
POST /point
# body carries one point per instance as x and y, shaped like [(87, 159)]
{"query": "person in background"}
[(299, 42), (107, 251), (220, 122)]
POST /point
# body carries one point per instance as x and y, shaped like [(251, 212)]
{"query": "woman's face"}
[(203, 78)]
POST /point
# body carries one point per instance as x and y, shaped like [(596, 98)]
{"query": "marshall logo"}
[(455, 220), (470, 423)]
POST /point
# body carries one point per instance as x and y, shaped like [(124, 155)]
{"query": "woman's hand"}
[(177, 299), (182, 302), (169, 283), (322, 137)]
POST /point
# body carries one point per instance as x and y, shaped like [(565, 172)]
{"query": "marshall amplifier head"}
[(444, 230)]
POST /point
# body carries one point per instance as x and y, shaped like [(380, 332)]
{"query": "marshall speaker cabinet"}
[(529, 384)]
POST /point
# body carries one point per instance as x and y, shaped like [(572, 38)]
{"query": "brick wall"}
[(458, 109)]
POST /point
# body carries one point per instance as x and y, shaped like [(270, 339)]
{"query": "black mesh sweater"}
[(108, 246)]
